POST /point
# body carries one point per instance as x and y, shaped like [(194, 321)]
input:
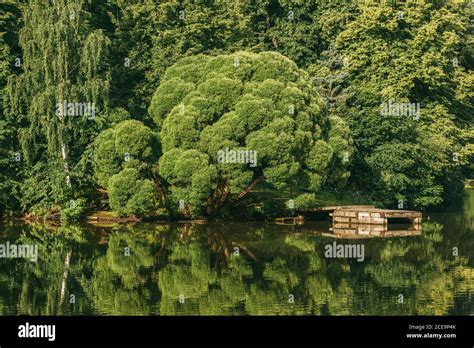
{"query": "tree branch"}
[(250, 188)]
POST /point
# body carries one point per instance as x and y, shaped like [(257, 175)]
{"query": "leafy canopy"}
[(243, 102)]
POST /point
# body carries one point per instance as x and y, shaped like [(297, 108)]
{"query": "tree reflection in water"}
[(233, 269)]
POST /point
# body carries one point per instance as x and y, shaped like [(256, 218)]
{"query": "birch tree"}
[(59, 99)]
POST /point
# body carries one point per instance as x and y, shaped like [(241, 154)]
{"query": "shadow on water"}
[(239, 269)]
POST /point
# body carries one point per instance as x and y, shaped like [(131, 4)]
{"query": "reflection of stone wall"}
[(354, 230)]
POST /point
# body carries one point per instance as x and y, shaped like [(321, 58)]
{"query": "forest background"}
[(305, 84)]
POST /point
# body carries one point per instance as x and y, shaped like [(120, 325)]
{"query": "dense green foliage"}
[(403, 54), (302, 83), (243, 102), (64, 60), (9, 16), (122, 158)]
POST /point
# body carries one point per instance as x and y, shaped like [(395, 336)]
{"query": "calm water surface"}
[(238, 269)]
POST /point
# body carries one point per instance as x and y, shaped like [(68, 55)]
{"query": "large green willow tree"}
[(64, 61), (261, 105)]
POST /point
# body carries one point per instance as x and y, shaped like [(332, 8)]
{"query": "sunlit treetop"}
[(243, 102)]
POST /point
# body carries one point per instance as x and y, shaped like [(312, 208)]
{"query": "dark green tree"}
[(9, 23), (409, 53), (243, 102), (123, 162)]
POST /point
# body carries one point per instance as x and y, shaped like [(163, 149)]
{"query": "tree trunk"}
[(65, 274), (64, 154)]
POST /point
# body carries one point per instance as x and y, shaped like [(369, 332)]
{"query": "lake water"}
[(239, 269)]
